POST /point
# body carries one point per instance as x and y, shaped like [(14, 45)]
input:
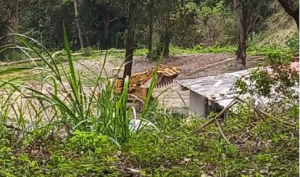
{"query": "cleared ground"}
[(193, 66)]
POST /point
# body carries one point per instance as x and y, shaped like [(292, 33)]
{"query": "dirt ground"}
[(193, 66)]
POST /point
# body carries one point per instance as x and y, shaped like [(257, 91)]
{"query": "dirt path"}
[(193, 66)]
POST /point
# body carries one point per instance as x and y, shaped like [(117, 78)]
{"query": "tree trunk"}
[(296, 17), (150, 26), (167, 36), (15, 22), (150, 37), (87, 40), (288, 9), (78, 24), (241, 51), (130, 41), (106, 17)]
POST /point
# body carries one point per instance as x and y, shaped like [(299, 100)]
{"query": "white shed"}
[(211, 93), (214, 93)]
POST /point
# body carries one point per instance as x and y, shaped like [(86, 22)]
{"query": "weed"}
[(293, 43), (86, 51)]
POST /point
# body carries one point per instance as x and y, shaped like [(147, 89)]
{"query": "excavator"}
[(137, 93)]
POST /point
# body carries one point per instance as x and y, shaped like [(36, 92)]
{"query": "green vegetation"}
[(56, 120), (103, 25), (98, 139)]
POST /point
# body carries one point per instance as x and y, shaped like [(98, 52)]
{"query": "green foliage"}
[(82, 110), (293, 43), (96, 124), (257, 146), (157, 52), (86, 51), (282, 78), (88, 141), (103, 23)]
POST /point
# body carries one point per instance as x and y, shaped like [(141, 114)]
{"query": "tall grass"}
[(69, 104)]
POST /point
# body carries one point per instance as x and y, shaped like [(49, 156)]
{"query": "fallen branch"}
[(266, 114), (217, 116), (221, 132), (264, 119)]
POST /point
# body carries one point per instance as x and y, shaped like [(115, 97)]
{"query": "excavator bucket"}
[(166, 75)]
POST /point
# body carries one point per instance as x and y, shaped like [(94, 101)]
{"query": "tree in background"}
[(15, 20), (158, 23), (167, 21), (145, 24), (130, 40), (249, 15), (103, 21), (5, 20), (166, 38), (292, 8), (78, 23), (110, 10), (241, 25)]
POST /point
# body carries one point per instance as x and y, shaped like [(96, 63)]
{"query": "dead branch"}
[(266, 114), (217, 116), (286, 6), (264, 119), (221, 131)]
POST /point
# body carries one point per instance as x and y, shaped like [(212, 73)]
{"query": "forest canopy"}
[(103, 24)]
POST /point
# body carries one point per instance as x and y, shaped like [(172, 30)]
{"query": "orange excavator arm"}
[(166, 75)]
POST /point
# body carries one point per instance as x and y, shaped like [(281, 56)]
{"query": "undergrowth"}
[(65, 129)]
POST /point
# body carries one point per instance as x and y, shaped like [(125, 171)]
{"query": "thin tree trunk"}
[(78, 24), (130, 41), (150, 26), (16, 22), (241, 51), (106, 17), (167, 36), (150, 37), (87, 40)]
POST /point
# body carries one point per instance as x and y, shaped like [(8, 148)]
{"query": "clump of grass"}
[(86, 51), (75, 107)]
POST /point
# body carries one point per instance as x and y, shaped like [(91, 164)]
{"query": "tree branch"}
[(240, 4), (287, 8), (113, 20)]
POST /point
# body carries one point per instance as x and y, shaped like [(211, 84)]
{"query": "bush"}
[(282, 78), (86, 51), (293, 43)]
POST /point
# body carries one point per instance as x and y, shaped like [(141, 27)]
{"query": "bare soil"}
[(193, 66)]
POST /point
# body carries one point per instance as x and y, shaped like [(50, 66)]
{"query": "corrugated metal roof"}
[(219, 89), (215, 88)]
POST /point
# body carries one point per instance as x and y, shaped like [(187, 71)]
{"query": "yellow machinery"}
[(138, 92)]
